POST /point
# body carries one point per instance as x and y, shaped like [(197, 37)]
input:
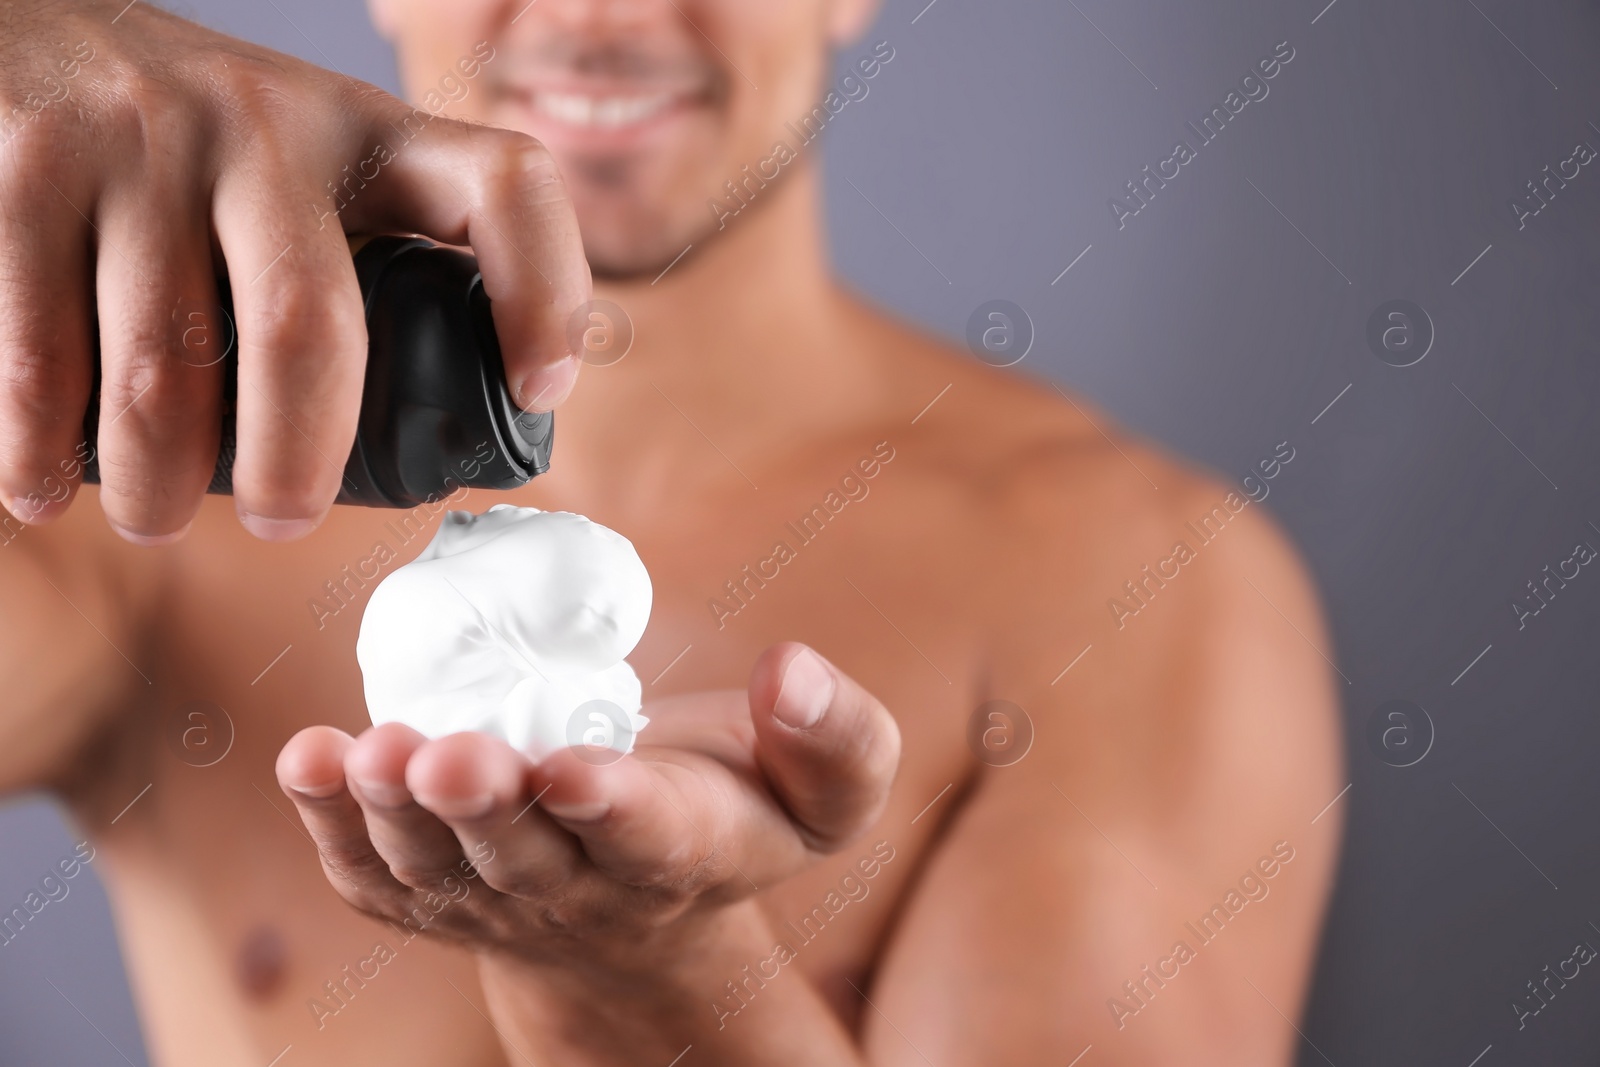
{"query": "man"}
[(846, 855)]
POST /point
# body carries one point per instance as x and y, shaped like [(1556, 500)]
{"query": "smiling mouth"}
[(609, 112)]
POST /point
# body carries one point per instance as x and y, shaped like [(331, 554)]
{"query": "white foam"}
[(508, 623)]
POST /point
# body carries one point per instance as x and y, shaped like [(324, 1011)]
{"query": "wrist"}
[(680, 952), (657, 993)]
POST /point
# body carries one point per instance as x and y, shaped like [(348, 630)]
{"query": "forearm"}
[(604, 1015)]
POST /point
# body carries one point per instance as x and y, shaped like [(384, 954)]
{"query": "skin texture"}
[(1172, 752)]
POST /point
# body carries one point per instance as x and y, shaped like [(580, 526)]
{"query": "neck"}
[(741, 345)]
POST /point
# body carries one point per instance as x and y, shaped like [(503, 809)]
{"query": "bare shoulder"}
[(1156, 636), (1111, 572), (1192, 609)]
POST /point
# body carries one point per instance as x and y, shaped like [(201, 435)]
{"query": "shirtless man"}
[(821, 859)]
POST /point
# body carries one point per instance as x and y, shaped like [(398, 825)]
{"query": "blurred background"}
[(1442, 459)]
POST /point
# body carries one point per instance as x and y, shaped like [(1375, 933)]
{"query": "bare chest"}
[(262, 643)]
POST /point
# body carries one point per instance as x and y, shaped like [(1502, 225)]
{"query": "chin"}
[(626, 261), (626, 243)]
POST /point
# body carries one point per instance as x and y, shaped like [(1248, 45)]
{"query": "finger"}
[(160, 414), (45, 321), (501, 192), (421, 851), (311, 773), (302, 345), (659, 823), (828, 747), (480, 787)]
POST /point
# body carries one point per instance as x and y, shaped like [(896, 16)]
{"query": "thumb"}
[(829, 749)]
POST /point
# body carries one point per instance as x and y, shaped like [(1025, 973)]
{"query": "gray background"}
[(1213, 323)]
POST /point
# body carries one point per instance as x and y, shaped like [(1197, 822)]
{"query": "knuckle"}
[(375, 902), (572, 914), (358, 870), (140, 110), (362, 98), (525, 883), (287, 316), (518, 169), (153, 394), (39, 382), (40, 144), (253, 86), (678, 872), (262, 111), (134, 367), (417, 876), (164, 122)]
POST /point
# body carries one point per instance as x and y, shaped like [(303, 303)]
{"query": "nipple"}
[(260, 962)]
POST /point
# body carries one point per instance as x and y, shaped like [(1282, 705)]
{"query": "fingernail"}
[(151, 540), (277, 529), (545, 388), (320, 792), (32, 511), (806, 691), (383, 794), (590, 812), (473, 807)]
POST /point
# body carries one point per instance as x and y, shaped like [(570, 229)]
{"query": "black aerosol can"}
[(436, 415)]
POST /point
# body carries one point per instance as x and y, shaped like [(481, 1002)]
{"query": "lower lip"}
[(565, 136)]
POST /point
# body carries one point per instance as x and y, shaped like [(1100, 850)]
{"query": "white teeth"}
[(609, 112)]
